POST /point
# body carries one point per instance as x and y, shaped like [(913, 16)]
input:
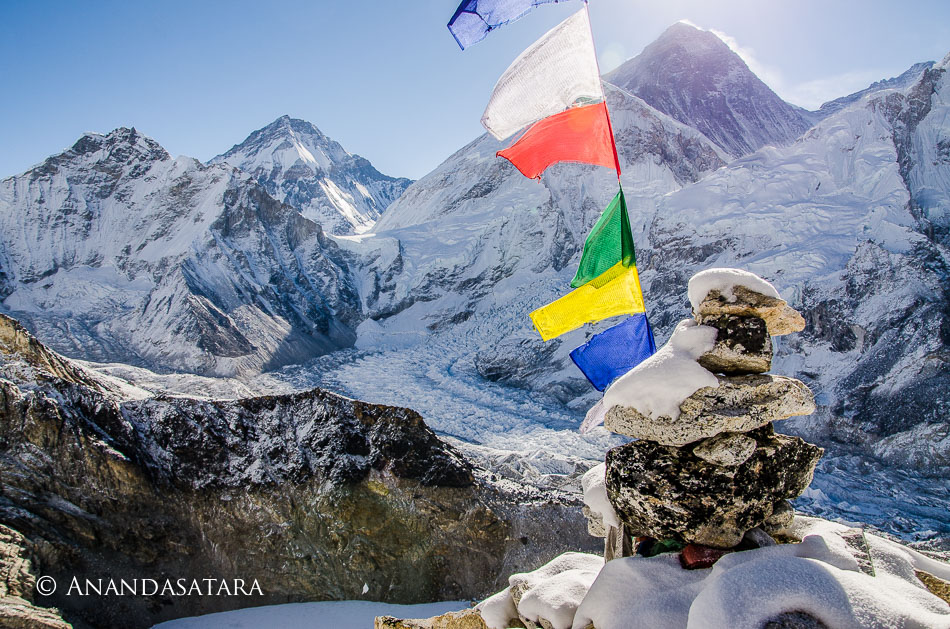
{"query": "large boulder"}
[(738, 404), (667, 492)]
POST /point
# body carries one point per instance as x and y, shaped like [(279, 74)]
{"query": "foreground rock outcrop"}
[(310, 495)]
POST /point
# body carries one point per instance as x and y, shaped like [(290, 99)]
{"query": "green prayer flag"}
[(608, 243)]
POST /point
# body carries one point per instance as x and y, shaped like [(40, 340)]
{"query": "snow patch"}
[(744, 590), (594, 483), (657, 386), (724, 281)]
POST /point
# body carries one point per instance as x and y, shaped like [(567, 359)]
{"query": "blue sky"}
[(384, 78)]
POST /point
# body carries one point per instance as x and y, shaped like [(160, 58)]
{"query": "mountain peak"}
[(301, 166), (285, 125), (693, 76)]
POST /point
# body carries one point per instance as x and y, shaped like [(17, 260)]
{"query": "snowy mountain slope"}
[(302, 167), (475, 237), (454, 267), (692, 76), (829, 220), (115, 251), (906, 79)]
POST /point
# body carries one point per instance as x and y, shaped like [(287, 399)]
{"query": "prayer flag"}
[(580, 134), (554, 73), (615, 351), (609, 242), (474, 19), (616, 292)]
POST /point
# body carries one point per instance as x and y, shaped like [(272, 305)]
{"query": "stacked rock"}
[(708, 468)]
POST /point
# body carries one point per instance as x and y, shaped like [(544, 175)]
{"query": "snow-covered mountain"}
[(903, 81), (848, 222), (694, 77), (299, 165), (113, 250)]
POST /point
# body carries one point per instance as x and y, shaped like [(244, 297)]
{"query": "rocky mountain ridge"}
[(313, 495)]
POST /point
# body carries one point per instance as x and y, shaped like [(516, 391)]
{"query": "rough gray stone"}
[(727, 449), (782, 515), (757, 538), (667, 492), (743, 346), (738, 404), (780, 318)]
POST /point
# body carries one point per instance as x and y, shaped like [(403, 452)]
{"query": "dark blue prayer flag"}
[(475, 18), (615, 351)]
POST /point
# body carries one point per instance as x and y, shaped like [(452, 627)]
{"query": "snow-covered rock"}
[(821, 577), (661, 383), (595, 495), (300, 166)]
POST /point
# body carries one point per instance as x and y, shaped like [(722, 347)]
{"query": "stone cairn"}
[(718, 474)]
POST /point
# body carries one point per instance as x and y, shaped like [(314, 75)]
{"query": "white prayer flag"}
[(554, 73)]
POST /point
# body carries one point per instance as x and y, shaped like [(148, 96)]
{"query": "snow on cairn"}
[(745, 590), (657, 386), (595, 495), (724, 281), (553, 592)]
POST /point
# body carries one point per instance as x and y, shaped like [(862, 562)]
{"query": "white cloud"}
[(808, 94), (611, 56)]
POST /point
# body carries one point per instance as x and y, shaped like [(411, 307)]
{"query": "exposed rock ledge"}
[(314, 495)]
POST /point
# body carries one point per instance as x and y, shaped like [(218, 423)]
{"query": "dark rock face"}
[(666, 492), (743, 346), (313, 495)]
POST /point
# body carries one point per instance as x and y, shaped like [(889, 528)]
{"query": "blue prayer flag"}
[(615, 351), (475, 18)]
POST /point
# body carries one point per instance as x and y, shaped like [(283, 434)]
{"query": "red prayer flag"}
[(579, 134)]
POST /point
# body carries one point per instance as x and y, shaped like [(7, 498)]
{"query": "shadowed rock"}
[(667, 492), (780, 318), (743, 346)]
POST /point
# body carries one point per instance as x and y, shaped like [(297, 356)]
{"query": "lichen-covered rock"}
[(667, 492), (727, 449), (738, 404), (780, 318), (743, 345), (794, 620)]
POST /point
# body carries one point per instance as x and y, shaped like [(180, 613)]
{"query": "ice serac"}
[(694, 77), (115, 251), (299, 165), (314, 495)]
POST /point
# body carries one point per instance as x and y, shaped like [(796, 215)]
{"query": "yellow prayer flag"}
[(615, 292)]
